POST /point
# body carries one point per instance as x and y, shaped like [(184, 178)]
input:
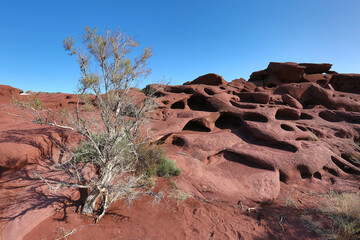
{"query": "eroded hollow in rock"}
[(331, 171), (195, 125), (271, 85), (343, 166), (228, 121), (301, 128), (286, 127), (353, 158), (178, 141), (158, 94), (286, 114), (255, 117), (243, 106), (178, 105), (246, 160), (304, 171), (283, 177), (317, 175), (209, 91), (197, 103), (306, 116), (330, 116)]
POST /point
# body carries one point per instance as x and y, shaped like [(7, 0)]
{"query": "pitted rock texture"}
[(236, 141)]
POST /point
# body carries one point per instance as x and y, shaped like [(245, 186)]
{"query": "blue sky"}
[(189, 38)]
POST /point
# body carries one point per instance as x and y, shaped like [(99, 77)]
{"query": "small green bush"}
[(152, 161), (168, 168), (150, 158)]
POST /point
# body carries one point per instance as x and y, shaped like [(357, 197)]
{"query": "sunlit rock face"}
[(295, 123)]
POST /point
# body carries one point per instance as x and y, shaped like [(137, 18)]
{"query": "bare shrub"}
[(111, 161)]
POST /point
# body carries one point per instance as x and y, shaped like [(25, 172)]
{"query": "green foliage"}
[(150, 158), (152, 161), (86, 153), (168, 168)]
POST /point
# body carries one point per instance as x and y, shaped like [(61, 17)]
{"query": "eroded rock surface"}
[(291, 126), (237, 141)]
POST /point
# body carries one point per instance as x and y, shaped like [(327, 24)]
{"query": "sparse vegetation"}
[(177, 193), (289, 202), (32, 102), (112, 162), (313, 136), (167, 168), (342, 217)]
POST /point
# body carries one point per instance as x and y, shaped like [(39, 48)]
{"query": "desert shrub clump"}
[(148, 159), (167, 168), (153, 161)]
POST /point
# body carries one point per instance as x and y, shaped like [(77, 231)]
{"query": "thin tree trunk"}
[(90, 202)]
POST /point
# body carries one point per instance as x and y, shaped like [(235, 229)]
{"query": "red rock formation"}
[(238, 143), (291, 126)]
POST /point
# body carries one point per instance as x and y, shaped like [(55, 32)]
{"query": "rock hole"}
[(243, 106), (271, 85), (286, 127), (304, 171), (330, 116), (343, 166), (165, 102), (301, 128), (317, 175), (330, 170), (255, 117), (178, 105), (321, 82), (68, 97), (222, 88), (195, 125), (197, 103), (332, 180), (209, 91), (353, 158), (246, 160), (189, 91), (177, 141), (283, 177), (286, 114), (228, 121), (306, 116), (158, 94)]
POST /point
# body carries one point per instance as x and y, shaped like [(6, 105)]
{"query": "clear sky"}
[(232, 38)]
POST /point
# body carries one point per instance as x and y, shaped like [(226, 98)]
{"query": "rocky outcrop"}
[(346, 83), (239, 140)]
